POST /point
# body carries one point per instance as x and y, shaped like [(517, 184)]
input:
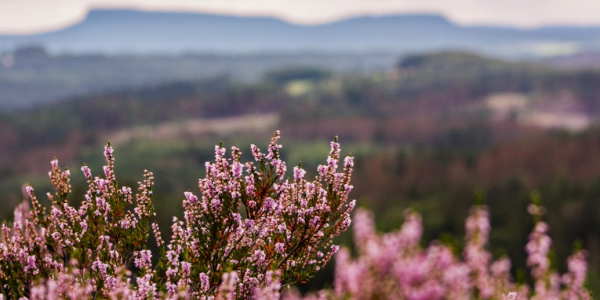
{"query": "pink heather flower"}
[(185, 268), (172, 271), (31, 265), (352, 204), (348, 187), (578, 266), (100, 267), (537, 249), (250, 220), (106, 171), (56, 212), (299, 173), (237, 169), (204, 282), (219, 152), (108, 150), (335, 248), (249, 223), (191, 198), (227, 289), (314, 221), (280, 168), (146, 257), (346, 222), (335, 148), (101, 183), (125, 224), (256, 152), (322, 169), (126, 190), (332, 163), (215, 205), (172, 257), (273, 147), (279, 247), (209, 167), (364, 230), (259, 257), (102, 204), (86, 172), (574, 280), (349, 162), (500, 267), (269, 204), (54, 163), (29, 190)]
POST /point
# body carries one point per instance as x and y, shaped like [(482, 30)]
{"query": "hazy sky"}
[(26, 16)]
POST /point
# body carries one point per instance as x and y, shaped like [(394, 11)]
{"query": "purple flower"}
[(298, 173), (54, 163), (86, 172), (29, 190), (352, 204), (249, 223), (108, 150), (322, 170), (269, 204), (191, 198), (258, 214), (219, 152), (106, 171), (349, 162), (348, 187), (237, 169), (259, 257), (204, 283), (256, 152), (279, 247), (185, 268)]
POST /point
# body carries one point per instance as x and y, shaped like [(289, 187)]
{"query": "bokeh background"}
[(441, 102)]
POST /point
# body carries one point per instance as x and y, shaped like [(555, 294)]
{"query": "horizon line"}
[(289, 20)]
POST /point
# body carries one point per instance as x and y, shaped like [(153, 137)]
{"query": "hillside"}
[(427, 134), (30, 76)]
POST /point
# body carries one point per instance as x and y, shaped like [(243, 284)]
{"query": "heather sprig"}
[(248, 219), (248, 232), (88, 245), (395, 266)]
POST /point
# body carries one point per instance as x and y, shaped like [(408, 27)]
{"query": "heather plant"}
[(248, 233), (395, 266)]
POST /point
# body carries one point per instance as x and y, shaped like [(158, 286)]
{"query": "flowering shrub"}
[(249, 232), (394, 266)]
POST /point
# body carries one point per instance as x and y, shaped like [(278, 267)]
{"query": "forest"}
[(435, 133)]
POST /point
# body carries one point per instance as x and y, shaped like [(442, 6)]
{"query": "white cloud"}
[(23, 16)]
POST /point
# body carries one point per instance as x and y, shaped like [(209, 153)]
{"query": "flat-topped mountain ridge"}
[(130, 31)]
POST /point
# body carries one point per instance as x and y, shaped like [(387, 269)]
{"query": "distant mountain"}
[(128, 31)]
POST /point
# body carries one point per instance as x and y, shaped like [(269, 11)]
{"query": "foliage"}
[(395, 266), (431, 145), (248, 233)]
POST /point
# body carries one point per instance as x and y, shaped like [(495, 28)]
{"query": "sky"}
[(31, 16)]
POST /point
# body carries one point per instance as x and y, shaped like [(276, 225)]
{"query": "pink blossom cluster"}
[(249, 232), (395, 266)]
